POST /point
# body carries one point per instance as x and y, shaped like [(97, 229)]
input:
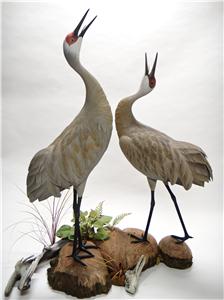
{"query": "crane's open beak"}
[(152, 73), (146, 65), (76, 31)]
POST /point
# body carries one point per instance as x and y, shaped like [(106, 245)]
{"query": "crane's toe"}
[(180, 239), (77, 257), (142, 239), (84, 246)]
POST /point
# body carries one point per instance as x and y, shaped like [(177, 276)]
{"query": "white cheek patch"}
[(71, 42), (72, 51)]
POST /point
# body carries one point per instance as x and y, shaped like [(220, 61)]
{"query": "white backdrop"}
[(42, 94)]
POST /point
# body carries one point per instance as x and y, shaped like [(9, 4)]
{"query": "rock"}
[(122, 255), (74, 279), (175, 255)]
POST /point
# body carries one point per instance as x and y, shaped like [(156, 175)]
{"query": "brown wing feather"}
[(162, 158), (156, 158), (196, 159), (67, 161), (39, 185)]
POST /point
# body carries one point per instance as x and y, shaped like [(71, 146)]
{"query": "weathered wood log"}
[(25, 267), (173, 254), (121, 254), (77, 280)]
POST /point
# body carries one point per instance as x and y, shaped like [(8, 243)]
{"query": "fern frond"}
[(99, 208), (119, 218)]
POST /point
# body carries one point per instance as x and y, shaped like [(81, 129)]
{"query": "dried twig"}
[(20, 267), (24, 283), (132, 276), (25, 268)]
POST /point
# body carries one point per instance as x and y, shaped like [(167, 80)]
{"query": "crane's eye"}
[(71, 39), (152, 82)]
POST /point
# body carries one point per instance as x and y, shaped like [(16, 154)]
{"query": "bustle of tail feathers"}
[(199, 166), (39, 185)]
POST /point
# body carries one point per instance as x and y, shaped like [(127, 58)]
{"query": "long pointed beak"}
[(146, 65), (76, 31), (152, 73), (86, 27)]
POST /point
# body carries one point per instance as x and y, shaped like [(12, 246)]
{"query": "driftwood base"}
[(112, 259), (74, 279), (121, 254), (175, 255)]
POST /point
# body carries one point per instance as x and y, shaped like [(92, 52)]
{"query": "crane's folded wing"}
[(162, 158), (39, 185), (66, 162)]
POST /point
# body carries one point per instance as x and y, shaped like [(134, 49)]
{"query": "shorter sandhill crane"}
[(70, 158), (156, 155)]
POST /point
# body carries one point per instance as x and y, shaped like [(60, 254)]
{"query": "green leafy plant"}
[(93, 224), (119, 218)]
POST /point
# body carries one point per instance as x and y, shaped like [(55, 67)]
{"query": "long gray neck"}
[(94, 91), (124, 115)]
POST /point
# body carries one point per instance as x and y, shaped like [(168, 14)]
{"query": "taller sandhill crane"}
[(156, 155), (71, 157)]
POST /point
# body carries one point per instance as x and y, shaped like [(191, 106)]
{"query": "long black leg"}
[(186, 235), (78, 209), (77, 235), (75, 241), (144, 237), (150, 214)]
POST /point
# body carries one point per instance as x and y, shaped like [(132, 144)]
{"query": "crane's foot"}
[(77, 257), (84, 249), (180, 240), (84, 246), (142, 239)]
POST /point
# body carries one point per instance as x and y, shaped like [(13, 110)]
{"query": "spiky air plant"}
[(45, 231), (44, 221)]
